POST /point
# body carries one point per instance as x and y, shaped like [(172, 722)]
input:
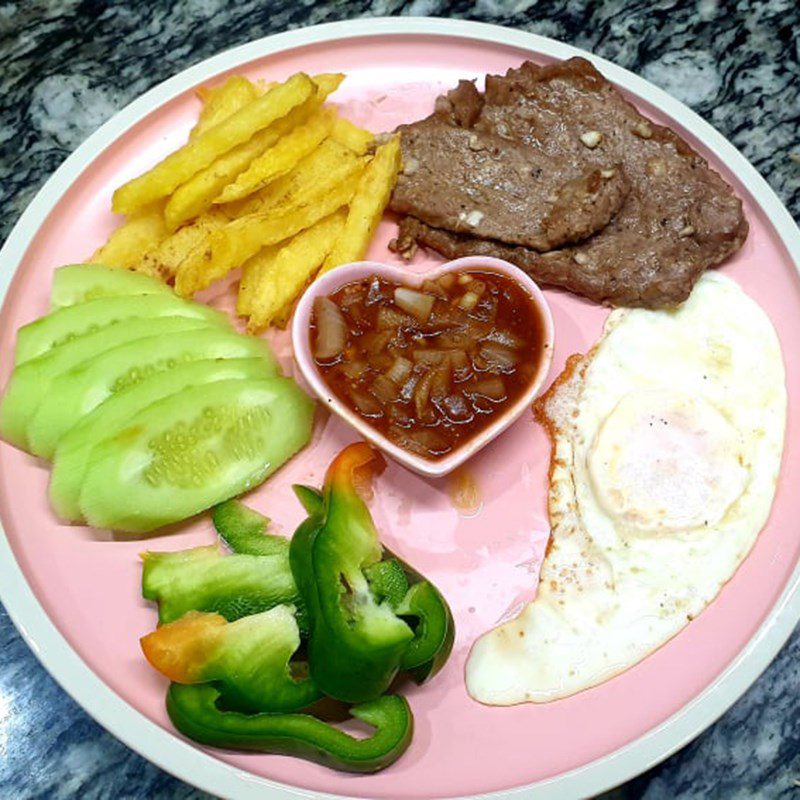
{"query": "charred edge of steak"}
[(461, 106), (632, 284)]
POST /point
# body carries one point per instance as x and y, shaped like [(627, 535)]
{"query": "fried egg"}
[(666, 446)]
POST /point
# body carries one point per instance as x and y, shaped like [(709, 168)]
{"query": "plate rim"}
[(200, 768)]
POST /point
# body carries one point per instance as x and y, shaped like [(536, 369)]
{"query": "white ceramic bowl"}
[(347, 273)]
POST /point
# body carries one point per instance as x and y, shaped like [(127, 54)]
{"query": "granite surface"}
[(67, 65)]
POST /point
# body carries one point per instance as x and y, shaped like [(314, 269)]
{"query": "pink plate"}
[(74, 592)]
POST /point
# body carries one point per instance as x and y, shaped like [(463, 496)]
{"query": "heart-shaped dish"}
[(348, 273)]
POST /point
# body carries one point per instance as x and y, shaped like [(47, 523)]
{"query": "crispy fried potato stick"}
[(274, 277), (370, 200), (281, 157), (350, 135), (165, 259), (239, 240), (220, 102), (179, 166), (197, 195), (140, 232), (317, 173)]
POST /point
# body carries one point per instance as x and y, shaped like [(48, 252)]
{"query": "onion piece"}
[(498, 356), (390, 318), (375, 341), (354, 369), (400, 370), (468, 301), (446, 281), (400, 414), (366, 404), (429, 357), (385, 390), (413, 302), (422, 393), (506, 338), (457, 408), (440, 383), (331, 329), (493, 388)]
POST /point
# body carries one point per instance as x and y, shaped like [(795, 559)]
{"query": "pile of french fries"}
[(271, 181)]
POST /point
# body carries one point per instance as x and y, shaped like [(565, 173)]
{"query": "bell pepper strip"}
[(245, 530), (203, 579), (434, 631), (309, 497), (355, 643), (387, 582), (195, 713), (248, 659)]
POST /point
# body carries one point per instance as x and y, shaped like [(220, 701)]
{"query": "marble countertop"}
[(68, 65)]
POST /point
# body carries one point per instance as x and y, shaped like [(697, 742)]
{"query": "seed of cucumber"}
[(29, 381), (77, 283), (72, 322), (75, 393), (193, 450), (74, 448)]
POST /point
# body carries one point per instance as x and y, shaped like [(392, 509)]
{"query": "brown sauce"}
[(431, 367)]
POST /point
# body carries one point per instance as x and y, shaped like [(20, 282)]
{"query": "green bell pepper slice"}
[(355, 644), (206, 579), (194, 711), (248, 660), (245, 530), (434, 632)]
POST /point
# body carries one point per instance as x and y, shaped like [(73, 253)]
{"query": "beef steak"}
[(675, 217)]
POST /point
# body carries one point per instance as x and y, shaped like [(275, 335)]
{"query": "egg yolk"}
[(664, 461)]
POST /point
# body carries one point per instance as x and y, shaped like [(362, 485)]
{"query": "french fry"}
[(329, 165), (280, 158), (351, 136), (370, 200), (239, 240), (273, 278), (197, 195), (141, 231), (281, 319), (165, 259), (179, 166), (220, 102)]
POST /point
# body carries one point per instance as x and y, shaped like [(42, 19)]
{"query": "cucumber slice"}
[(71, 322), (75, 393), (29, 381), (72, 455), (77, 283), (193, 450)]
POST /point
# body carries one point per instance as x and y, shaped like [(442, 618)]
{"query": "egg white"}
[(667, 440)]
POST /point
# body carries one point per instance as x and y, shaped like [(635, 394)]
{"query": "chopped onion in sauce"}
[(385, 390), (493, 388), (331, 329), (496, 355), (390, 318), (400, 370), (413, 302), (366, 404), (428, 368)]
